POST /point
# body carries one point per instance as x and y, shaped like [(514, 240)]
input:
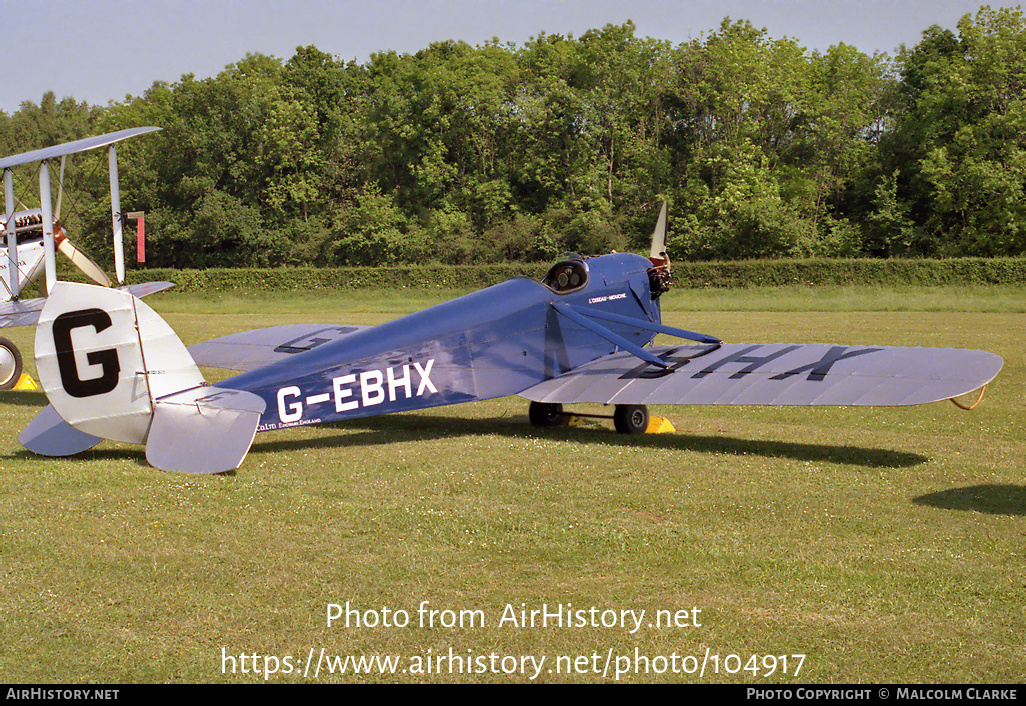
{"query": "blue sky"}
[(102, 50)]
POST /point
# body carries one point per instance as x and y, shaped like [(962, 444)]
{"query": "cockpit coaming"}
[(566, 276)]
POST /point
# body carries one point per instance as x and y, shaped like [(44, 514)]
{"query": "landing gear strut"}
[(628, 418)]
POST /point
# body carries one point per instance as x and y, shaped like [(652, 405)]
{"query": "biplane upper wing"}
[(53, 237), (775, 374), (68, 148), (26, 312), (251, 350)]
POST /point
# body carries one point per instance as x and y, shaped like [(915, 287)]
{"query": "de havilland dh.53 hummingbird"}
[(112, 368)]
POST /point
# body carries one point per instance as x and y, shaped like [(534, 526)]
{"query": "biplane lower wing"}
[(775, 374), (20, 313), (26, 313)]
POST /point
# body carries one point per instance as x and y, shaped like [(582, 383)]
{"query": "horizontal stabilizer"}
[(250, 350), (49, 435), (775, 374), (203, 430)]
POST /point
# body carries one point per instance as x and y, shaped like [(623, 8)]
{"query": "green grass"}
[(964, 298), (886, 545)]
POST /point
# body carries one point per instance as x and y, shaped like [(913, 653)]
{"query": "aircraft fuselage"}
[(491, 343)]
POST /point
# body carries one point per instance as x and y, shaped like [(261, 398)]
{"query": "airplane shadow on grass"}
[(392, 428), (987, 498), (374, 431)]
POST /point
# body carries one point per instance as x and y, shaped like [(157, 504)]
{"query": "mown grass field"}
[(884, 545)]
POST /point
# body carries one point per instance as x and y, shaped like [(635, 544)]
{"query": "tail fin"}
[(112, 368)]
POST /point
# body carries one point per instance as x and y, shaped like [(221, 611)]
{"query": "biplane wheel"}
[(10, 364), (544, 414), (630, 418)]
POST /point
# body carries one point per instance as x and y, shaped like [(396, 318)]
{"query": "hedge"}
[(761, 273), (732, 275)]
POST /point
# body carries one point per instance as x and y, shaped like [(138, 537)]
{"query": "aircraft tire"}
[(544, 414), (10, 364), (630, 418)]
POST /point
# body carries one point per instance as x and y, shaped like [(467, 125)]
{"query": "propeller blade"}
[(660, 276), (658, 253), (80, 259)]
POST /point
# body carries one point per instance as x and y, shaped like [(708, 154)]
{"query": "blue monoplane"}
[(113, 369)]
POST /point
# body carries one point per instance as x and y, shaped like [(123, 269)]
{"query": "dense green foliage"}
[(460, 154)]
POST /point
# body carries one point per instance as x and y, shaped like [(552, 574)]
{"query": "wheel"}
[(10, 364), (543, 414), (630, 418)]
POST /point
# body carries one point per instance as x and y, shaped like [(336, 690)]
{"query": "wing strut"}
[(646, 325), (13, 282), (617, 340), (49, 246)]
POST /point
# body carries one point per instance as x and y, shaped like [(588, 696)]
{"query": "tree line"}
[(463, 154)]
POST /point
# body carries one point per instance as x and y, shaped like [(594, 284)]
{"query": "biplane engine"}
[(29, 224)]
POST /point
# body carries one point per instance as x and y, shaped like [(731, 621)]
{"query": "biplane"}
[(34, 236), (112, 368)]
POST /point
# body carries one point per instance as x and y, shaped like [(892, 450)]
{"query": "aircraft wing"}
[(75, 147), (775, 374), (26, 312), (251, 350), (21, 313)]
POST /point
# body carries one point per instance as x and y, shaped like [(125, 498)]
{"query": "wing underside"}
[(775, 374)]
